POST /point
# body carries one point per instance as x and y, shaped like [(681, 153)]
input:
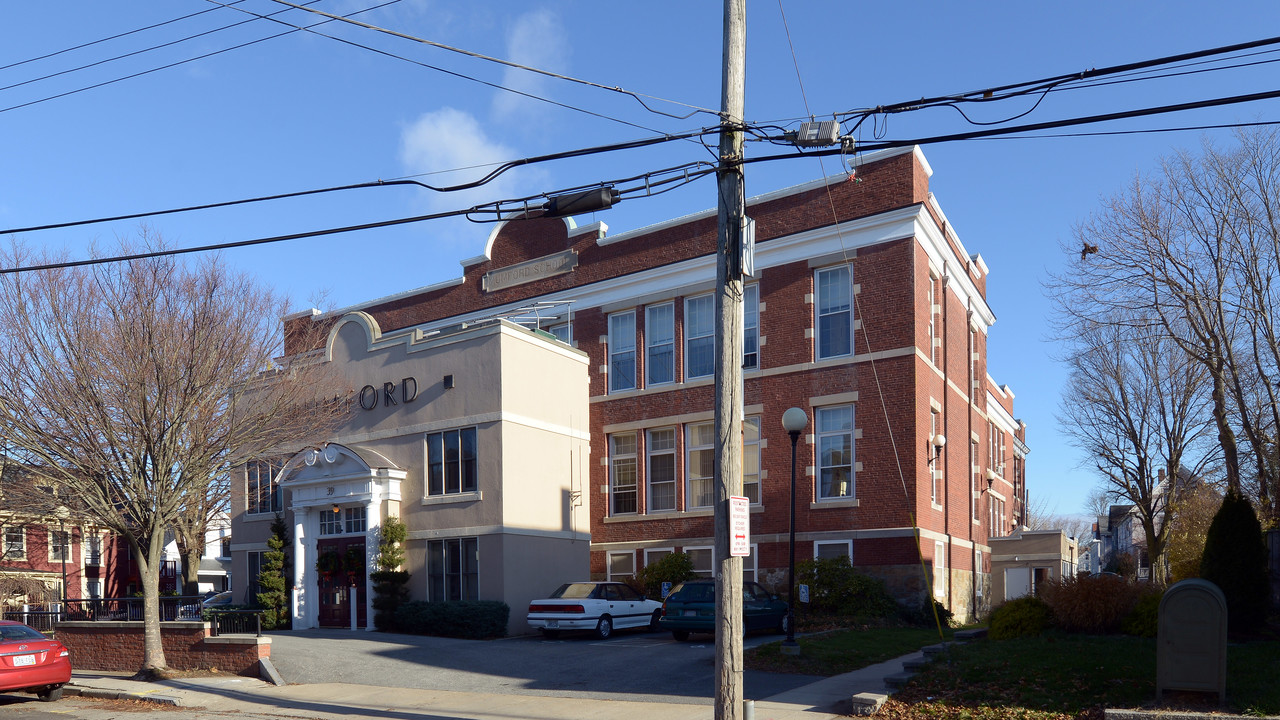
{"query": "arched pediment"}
[(334, 461)]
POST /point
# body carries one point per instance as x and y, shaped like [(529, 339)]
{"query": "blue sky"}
[(302, 111)]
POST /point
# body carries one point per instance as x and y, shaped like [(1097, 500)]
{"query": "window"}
[(933, 319), (751, 458), (356, 518), (832, 549), (622, 473), (751, 327), (700, 470), (703, 561), (226, 547), (622, 351), (939, 570), (750, 564), (262, 487), (451, 462), (660, 347), (977, 572), (835, 452), (94, 586), (254, 560), (661, 469), (835, 312), (699, 336), (93, 550), (15, 543), (935, 467), (59, 545), (453, 570), (329, 522), (622, 565), (563, 332), (977, 480)]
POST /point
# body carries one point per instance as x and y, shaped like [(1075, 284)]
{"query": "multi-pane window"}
[(935, 469), (262, 487), (226, 547), (93, 550), (622, 473), (453, 570), (977, 480), (562, 331), (661, 469), (939, 569), (751, 458), (622, 565), (330, 522), (835, 452), (751, 327), (660, 344), (832, 550), (622, 351), (15, 543), (750, 564), (703, 560), (977, 571), (94, 586), (59, 545), (451, 462), (933, 320), (835, 312), (356, 518), (699, 336), (700, 468)]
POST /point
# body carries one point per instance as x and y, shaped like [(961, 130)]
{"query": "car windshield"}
[(16, 633), (574, 590)]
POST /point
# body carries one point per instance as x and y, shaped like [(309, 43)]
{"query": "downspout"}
[(973, 501), (946, 488)]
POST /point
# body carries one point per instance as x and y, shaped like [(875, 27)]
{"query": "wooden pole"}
[(728, 365)]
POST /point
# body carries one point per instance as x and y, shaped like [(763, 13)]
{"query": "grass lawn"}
[(1051, 677)]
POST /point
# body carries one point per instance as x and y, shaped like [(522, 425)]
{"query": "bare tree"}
[(1137, 407), (1042, 516), (136, 384)]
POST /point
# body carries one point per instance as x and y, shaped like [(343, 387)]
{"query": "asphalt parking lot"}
[(633, 664)]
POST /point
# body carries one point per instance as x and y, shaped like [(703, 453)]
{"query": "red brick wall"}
[(118, 646)]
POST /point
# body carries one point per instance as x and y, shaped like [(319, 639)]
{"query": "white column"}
[(304, 595), (373, 524)]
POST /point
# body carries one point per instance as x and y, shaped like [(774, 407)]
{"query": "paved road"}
[(631, 665)]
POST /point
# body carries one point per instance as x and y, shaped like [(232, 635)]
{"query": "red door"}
[(335, 587)]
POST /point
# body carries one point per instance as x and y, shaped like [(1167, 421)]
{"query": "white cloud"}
[(536, 39)]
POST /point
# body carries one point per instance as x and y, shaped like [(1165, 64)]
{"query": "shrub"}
[(674, 568), (924, 614), (836, 588), (1025, 616), (1235, 559), (1144, 619), (477, 620), (1090, 603), (390, 583), (273, 592)]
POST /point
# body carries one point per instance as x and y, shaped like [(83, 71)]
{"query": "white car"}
[(601, 607)]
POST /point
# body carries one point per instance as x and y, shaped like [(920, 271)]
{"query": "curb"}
[(71, 690)]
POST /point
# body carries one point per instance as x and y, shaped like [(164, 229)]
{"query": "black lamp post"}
[(794, 421)]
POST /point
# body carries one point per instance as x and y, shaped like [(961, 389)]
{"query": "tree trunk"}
[(190, 554), (153, 660)]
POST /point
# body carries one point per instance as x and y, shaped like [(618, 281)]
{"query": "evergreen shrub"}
[(674, 568), (1021, 617), (1235, 559), (1144, 619), (835, 588), (471, 619), (390, 583)]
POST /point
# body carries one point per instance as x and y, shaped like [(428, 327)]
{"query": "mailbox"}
[(1191, 647)]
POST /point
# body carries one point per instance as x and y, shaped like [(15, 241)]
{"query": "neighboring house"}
[(1120, 533), (47, 543), (1027, 558), (548, 416), (215, 563)]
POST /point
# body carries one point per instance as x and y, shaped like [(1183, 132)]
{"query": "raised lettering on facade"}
[(525, 272)]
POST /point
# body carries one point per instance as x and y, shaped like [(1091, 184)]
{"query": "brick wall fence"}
[(187, 646)]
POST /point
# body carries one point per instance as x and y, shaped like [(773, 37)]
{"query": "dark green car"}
[(690, 607)]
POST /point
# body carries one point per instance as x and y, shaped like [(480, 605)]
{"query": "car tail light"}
[(64, 652)]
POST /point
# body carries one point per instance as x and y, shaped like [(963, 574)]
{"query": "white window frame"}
[(846, 544), (939, 569), (330, 522), (751, 327), (828, 308), (827, 489), (751, 459), (751, 565), (935, 469), (657, 451), (631, 559), (64, 542), (693, 480), (622, 345), (93, 588), (92, 550), (355, 520), (933, 319), (660, 344), (563, 332), (20, 545), (977, 572), (698, 332), (653, 555), (696, 551), (617, 459)]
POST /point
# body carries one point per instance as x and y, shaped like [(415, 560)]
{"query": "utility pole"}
[(728, 368)]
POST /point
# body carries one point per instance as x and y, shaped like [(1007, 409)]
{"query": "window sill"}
[(831, 504), (935, 506), (664, 515), (455, 498)]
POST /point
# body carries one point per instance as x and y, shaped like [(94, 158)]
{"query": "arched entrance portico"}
[(338, 495)]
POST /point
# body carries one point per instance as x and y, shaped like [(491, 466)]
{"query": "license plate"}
[(553, 623), (690, 613), (21, 660)]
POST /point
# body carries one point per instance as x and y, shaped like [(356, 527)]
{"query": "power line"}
[(634, 95), (419, 63)]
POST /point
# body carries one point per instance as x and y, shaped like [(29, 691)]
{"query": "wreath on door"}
[(328, 564)]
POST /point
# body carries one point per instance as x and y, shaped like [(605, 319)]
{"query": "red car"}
[(31, 662)]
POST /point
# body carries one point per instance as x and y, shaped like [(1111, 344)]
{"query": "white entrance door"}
[(1017, 582)]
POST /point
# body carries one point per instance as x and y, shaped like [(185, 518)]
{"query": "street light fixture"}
[(794, 422)]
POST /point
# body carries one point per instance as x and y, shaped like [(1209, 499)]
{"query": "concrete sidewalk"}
[(826, 699)]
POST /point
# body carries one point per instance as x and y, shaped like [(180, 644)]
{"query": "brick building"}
[(865, 310)]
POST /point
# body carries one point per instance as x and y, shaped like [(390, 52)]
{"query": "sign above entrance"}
[(531, 270), (405, 391)]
